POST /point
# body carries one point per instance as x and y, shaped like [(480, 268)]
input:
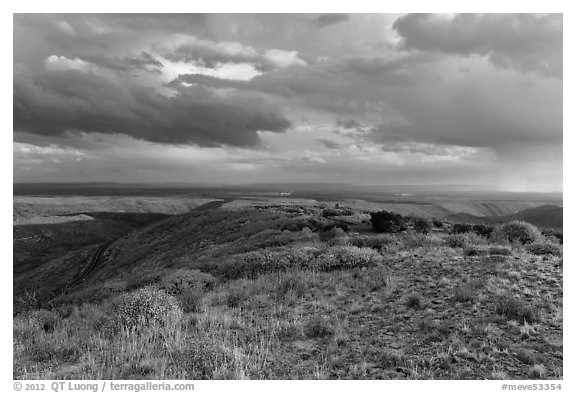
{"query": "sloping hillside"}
[(546, 216), (270, 292)]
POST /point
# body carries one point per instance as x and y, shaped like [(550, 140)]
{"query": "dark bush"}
[(387, 222), (46, 319), (333, 233), (422, 225), (377, 242), (461, 228), (517, 231), (298, 223), (544, 248), (180, 281), (554, 234), (474, 251), (414, 301), (330, 213), (499, 251), (438, 224), (483, 230), (336, 224)]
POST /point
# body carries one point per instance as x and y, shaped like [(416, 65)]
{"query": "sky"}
[(431, 99)]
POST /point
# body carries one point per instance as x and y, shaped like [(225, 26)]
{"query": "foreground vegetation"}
[(288, 292)]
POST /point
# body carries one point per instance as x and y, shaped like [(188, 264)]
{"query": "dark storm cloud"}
[(330, 144), (348, 124), (330, 19), (143, 61), (523, 41), (53, 103)]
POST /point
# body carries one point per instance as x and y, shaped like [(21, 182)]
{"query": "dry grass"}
[(404, 306)]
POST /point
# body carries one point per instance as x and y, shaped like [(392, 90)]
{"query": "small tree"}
[(387, 222), (483, 230), (422, 225), (461, 228)]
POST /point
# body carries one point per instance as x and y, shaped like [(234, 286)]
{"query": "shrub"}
[(461, 228), (517, 231), (516, 309), (298, 223), (387, 222), (414, 301), (483, 230), (499, 251), (146, 306), (494, 259), (334, 229), (190, 300), (179, 281), (537, 372), (377, 242), (422, 225), (318, 327), (553, 234), (415, 240), (474, 251), (347, 257), (463, 239), (437, 223), (465, 294), (292, 284), (544, 248), (330, 213), (45, 319)]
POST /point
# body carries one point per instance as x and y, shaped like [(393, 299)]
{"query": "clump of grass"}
[(473, 251), (292, 284), (377, 242), (145, 307), (47, 320), (318, 327), (525, 356), (500, 251), (461, 240), (414, 301), (347, 257), (464, 294), (176, 282), (415, 240), (537, 372), (516, 309), (544, 248), (493, 259)]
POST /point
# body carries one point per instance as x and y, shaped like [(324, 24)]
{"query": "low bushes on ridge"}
[(517, 231)]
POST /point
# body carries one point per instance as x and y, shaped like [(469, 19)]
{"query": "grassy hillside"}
[(278, 292), (546, 216), (37, 209)]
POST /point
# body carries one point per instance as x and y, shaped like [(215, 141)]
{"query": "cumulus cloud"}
[(211, 54), (523, 41)]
